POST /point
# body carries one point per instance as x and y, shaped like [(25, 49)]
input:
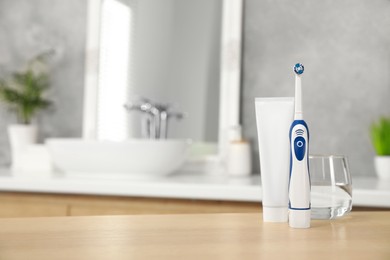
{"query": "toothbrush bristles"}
[(298, 68)]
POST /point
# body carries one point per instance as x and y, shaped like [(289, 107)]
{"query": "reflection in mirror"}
[(164, 69), (161, 51)]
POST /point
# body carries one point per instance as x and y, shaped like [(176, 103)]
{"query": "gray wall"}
[(28, 28), (345, 47)]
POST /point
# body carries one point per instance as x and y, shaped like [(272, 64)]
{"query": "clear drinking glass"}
[(331, 186)]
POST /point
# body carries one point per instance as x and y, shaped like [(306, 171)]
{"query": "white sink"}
[(134, 156)]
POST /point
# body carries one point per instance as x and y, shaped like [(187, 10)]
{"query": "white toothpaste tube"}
[(274, 117)]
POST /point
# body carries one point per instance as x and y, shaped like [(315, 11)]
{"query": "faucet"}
[(155, 117), (164, 119)]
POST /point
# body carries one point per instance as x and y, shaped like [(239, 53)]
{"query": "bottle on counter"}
[(239, 157)]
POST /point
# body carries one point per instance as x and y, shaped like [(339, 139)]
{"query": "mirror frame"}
[(230, 72)]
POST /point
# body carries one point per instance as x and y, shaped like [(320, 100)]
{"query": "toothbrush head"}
[(298, 68)]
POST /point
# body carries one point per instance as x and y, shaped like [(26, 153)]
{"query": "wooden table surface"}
[(360, 235)]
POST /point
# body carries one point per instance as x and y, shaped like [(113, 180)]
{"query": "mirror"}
[(181, 53)]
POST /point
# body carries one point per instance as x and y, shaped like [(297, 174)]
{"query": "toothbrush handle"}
[(299, 183)]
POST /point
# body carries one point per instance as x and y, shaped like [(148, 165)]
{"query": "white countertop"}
[(366, 191)]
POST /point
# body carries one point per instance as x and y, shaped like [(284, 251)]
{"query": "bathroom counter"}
[(360, 235), (366, 191)]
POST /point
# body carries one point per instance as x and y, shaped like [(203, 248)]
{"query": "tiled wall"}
[(30, 27), (345, 47)]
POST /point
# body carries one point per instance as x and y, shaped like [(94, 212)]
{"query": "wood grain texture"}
[(17, 204), (12, 209), (41, 205), (360, 235)]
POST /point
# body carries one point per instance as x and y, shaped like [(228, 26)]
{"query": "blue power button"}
[(299, 148)]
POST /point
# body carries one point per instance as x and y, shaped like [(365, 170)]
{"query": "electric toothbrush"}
[(299, 182)]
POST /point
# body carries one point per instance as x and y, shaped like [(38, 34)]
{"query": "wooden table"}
[(360, 235)]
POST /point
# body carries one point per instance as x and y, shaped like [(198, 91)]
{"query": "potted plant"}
[(23, 94), (380, 136)]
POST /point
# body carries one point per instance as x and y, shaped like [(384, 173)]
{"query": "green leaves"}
[(23, 92), (380, 136)]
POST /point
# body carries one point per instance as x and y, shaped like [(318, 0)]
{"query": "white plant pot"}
[(21, 137), (382, 167)]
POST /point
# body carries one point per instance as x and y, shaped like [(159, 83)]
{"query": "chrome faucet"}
[(155, 117)]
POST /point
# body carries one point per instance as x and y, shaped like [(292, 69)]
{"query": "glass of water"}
[(331, 186)]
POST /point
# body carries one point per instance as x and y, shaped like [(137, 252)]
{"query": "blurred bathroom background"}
[(344, 45)]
